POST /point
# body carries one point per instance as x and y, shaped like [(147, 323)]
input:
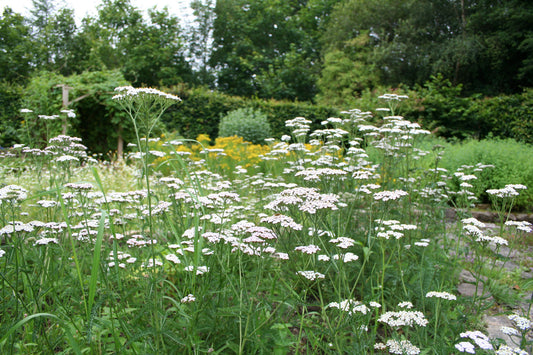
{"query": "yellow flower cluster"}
[(227, 152)]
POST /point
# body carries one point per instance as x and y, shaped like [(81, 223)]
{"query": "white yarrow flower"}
[(466, 347), (389, 195), (188, 299), (311, 275), (443, 295), (521, 322)]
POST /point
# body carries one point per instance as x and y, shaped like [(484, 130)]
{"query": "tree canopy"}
[(485, 45), (306, 50)]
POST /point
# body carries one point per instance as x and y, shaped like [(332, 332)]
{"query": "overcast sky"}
[(179, 8)]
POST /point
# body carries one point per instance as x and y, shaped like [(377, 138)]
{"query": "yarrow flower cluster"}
[(480, 339), (16, 226), (311, 275), (393, 97), (508, 191), (308, 249), (521, 322), (46, 241), (350, 306), (13, 193), (79, 186), (403, 318), (472, 226), (523, 226), (129, 91), (473, 221), (402, 347), (443, 295), (199, 270), (307, 199), (507, 350), (48, 118), (392, 228), (389, 195), (343, 242), (284, 221), (188, 299), (348, 257)]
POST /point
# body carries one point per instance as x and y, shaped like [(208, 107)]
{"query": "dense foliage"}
[(268, 48), (331, 238), (283, 49), (467, 63), (484, 45)]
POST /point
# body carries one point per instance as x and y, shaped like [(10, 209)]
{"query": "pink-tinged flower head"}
[(284, 221)]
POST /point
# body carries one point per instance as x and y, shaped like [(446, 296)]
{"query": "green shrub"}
[(247, 123), (512, 165)]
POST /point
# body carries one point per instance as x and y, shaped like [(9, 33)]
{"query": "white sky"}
[(179, 8)]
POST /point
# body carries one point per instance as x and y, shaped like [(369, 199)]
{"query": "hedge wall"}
[(201, 110)]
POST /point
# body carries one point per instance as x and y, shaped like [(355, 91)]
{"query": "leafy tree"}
[(55, 38), (15, 47), (103, 125), (267, 47), (42, 96), (63, 38), (107, 34), (148, 53), (201, 39), (99, 120), (403, 35), (41, 20), (484, 45), (504, 30), (347, 73)]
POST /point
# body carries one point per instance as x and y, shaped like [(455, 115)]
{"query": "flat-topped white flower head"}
[(128, 92)]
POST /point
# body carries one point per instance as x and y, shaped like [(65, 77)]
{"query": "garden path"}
[(518, 262)]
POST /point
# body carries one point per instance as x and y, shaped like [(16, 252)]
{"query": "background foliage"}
[(467, 64)]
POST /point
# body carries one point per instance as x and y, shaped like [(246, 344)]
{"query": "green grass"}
[(511, 161)]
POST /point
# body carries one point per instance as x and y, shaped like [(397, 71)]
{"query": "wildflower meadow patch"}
[(306, 244)]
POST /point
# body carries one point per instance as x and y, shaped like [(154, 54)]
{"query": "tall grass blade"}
[(96, 261), (73, 343)]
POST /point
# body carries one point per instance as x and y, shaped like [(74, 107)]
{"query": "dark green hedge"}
[(441, 108), (505, 116), (201, 111)]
